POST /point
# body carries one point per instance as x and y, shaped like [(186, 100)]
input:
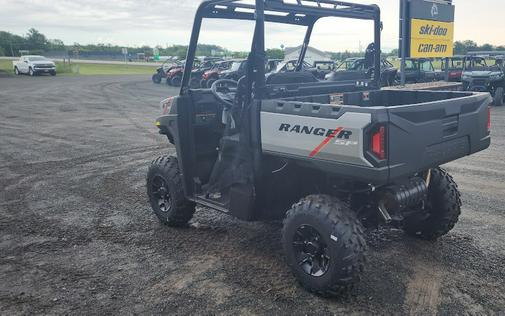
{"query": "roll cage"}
[(294, 12)]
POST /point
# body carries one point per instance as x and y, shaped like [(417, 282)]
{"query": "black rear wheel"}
[(203, 83), (441, 210), (194, 83), (324, 244), (166, 194), (156, 78), (176, 81)]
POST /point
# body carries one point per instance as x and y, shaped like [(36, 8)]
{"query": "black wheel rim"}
[(161, 194), (311, 251)]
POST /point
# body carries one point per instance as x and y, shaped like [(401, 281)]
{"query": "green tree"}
[(275, 53), (35, 39), (486, 47)]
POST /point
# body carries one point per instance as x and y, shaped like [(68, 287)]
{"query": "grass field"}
[(89, 69)]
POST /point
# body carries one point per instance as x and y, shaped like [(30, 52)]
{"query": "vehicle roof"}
[(295, 12), (33, 56)]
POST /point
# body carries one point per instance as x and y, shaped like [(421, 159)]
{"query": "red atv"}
[(211, 75), (174, 76)]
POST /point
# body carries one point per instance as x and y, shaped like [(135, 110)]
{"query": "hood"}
[(481, 73), (42, 62)]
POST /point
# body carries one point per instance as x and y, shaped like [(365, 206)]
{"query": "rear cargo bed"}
[(423, 129)]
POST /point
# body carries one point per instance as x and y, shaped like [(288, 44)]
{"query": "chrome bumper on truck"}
[(377, 136)]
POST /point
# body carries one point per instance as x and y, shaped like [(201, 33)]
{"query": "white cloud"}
[(167, 22)]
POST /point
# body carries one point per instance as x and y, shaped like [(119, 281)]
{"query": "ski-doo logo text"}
[(318, 131)]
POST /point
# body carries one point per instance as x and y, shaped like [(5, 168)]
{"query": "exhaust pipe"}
[(396, 198)]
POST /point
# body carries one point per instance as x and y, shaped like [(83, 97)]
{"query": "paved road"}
[(77, 235)]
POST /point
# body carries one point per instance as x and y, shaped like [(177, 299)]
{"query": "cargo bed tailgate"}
[(429, 134)]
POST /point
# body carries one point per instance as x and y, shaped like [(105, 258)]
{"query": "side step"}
[(202, 200)]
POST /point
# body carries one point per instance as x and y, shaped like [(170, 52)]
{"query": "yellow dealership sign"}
[(431, 38)]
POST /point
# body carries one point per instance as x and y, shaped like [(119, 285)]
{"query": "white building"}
[(311, 55)]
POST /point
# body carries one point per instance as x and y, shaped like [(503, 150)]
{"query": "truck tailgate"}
[(430, 134)]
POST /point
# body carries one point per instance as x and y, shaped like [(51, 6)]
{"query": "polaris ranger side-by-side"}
[(329, 157)]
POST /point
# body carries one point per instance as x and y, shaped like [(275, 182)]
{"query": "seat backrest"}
[(291, 77)]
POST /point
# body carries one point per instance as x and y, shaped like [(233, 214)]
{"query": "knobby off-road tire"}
[(166, 194), (337, 234), (498, 97), (443, 208), (176, 81), (156, 78)]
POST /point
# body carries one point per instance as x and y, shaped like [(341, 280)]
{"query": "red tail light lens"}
[(489, 119), (379, 143)]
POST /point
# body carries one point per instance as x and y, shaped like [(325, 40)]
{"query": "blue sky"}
[(167, 22)]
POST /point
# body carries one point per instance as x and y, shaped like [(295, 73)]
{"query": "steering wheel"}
[(225, 90)]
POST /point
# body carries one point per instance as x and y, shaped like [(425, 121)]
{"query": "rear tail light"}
[(378, 145), (489, 119), (166, 105)]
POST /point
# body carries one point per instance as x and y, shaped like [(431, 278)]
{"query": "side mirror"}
[(26, 61)]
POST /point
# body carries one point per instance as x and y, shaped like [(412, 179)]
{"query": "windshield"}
[(235, 66), (480, 63), (38, 58)]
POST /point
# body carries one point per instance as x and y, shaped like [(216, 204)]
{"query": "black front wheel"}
[(324, 245), (53, 73), (166, 194), (498, 97)]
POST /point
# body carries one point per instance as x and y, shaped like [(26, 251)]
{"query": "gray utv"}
[(330, 158), (485, 73)]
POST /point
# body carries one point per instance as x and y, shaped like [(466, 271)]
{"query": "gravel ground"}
[(77, 235)]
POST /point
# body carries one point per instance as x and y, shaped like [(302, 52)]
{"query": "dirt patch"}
[(77, 235)]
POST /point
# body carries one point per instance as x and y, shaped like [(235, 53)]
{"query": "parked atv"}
[(174, 76), (282, 148), (211, 75), (161, 72), (236, 71), (455, 67), (419, 70), (196, 74), (485, 73)]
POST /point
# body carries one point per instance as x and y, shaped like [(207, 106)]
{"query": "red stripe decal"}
[(325, 142)]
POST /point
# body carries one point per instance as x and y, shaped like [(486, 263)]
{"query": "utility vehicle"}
[(236, 71), (196, 73), (211, 75), (419, 70), (162, 71), (455, 67), (485, 73), (328, 157), (356, 69)]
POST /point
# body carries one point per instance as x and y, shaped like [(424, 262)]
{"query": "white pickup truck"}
[(34, 64)]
